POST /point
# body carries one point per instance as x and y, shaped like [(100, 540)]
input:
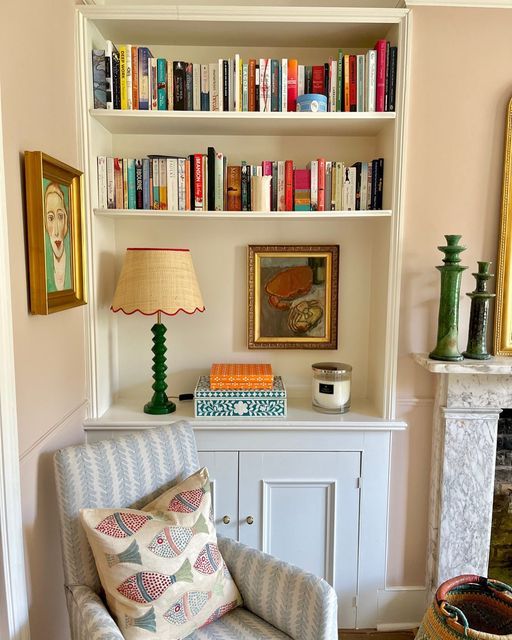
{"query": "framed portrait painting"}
[(56, 251), (293, 296)]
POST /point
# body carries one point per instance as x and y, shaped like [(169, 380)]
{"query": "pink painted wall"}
[(460, 84), (461, 80), (37, 74)]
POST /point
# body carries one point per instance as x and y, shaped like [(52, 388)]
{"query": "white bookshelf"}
[(119, 362), (369, 241)]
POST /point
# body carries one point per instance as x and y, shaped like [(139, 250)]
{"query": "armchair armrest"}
[(89, 618), (296, 602)]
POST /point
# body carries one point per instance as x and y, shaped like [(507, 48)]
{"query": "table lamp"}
[(152, 282)]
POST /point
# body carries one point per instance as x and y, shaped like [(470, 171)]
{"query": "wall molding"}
[(13, 588), (462, 4), (401, 607), (53, 430), (414, 402)]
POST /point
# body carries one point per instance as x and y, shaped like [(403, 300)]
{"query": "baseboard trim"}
[(400, 608)]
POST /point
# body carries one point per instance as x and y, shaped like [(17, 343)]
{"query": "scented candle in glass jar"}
[(331, 387)]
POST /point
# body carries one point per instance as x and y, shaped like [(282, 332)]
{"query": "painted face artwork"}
[(56, 218)]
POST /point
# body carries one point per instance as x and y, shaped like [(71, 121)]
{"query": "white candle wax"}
[(332, 396)]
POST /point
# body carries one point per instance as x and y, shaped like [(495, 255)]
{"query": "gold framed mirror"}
[(503, 309)]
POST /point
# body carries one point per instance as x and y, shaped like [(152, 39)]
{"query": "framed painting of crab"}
[(293, 296)]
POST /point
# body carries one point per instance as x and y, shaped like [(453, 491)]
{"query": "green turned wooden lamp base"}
[(159, 403)]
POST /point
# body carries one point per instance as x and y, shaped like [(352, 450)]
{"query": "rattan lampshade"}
[(154, 280)]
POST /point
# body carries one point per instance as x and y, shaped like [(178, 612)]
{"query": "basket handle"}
[(447, 586)]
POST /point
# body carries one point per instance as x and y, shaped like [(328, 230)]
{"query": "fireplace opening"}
[(500, 557)]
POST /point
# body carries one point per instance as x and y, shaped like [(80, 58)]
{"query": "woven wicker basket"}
[(469, 606)]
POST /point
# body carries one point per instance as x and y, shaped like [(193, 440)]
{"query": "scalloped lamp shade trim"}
[(157, 280)]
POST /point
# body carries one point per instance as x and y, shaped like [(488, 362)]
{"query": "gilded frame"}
[(503, 309), (293, 296), (56, 251)]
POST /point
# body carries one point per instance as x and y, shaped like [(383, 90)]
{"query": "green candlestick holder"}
[(479, 315), (159, 403), (448, 322)]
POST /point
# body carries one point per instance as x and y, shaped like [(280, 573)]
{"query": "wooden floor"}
[(372, 634)]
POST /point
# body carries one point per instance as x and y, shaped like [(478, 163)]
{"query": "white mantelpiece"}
[(469, 398)]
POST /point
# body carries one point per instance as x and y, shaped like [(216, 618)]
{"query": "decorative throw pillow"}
[(160, 567)]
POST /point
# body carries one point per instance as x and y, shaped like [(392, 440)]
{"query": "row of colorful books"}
[(129, 77), (206, 182)]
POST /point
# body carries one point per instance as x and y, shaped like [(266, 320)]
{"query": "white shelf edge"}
[(244, 115), (127, 414), (246, 215)]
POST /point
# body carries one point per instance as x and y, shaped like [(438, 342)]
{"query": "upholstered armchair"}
[(280, 601)]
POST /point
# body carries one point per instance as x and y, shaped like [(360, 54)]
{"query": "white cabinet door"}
[(223, 470), (305, 510)]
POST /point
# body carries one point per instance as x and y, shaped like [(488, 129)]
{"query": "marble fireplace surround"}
[(469, 398)]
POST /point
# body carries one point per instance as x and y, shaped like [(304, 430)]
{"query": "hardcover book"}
[(302, 200), (144, 55), (135, 77), (99, 79), (292, 84), (380, 48), (318, 79), (161, 78), (178, 72), (234, 188)]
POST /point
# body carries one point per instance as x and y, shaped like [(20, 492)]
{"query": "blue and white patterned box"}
[(227, 403)]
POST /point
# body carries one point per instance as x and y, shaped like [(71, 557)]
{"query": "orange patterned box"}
[(241, 376)]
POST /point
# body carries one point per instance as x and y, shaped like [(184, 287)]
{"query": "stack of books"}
[(130, 77), (240, 391), (206, 182)]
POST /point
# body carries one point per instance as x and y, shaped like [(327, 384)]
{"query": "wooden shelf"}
[(247, 215), (243, 123), (127, 413)]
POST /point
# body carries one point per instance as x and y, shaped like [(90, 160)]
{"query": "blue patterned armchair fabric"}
[(280, 601)]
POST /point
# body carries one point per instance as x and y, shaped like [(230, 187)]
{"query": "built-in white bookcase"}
[(119, 346)]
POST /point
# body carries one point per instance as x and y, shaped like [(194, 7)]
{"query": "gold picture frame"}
[(293, 296), (503, 309), (56, 252)]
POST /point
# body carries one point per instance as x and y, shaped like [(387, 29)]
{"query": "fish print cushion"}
[(160, 567)]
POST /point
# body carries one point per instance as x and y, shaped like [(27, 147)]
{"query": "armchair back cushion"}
[(129, 471)]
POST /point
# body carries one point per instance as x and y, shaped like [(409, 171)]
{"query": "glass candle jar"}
[(331, 387)]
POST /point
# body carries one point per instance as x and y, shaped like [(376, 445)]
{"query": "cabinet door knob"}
[(249, 519), (226, 519)]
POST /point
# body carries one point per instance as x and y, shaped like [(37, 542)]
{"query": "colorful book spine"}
[(138, 184), (146, 198), (313, 168), (321, 183), (170, 85), (213, 83), (245, 190), (205, 92), (283, 85), (339, 83), (358, 167), (346, 82), (122, 76), (293, 65), (118, 183), (109, 74), (156, 184), (125, 183), (245, 87), (288, 185), (189, 86), (153, 83), (144, 55), (380, 183), (265, 85), (99, 79), (302, 184), (162, 183), (111, 189), (333, 75), (360, 82), (301, 78), (219, 181), (252, 85), (178, 73), (196, 87), (274, 85), (161, 79), (102, 182), (349, 189), (129, 79), (237, 85), (380, 47), (353, 82), (135, 77), (393, 63), (371, 80), (225, 85), (328, 185), (182, 186), (364, 186), (234, 188), (318, 79), (198, 182)]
